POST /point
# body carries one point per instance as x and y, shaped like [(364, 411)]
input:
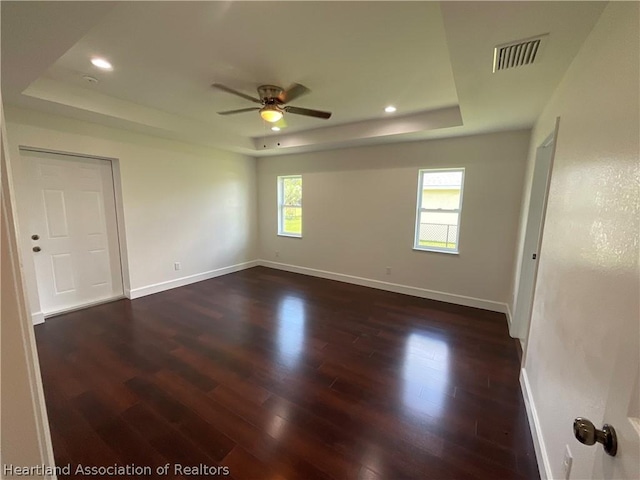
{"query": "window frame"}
[(282, 206), (420, 210)]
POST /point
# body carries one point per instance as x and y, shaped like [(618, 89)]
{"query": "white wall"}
[(359, 208), (182, 203), (586, 307)]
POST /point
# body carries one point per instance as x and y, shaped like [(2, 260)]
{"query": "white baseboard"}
[(181, 282), (508, 314), (392, 287), (534, 425), (365, 282), (37, 318), (82, 306)]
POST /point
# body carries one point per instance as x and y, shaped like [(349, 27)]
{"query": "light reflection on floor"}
[(291, 330), (371, 458), (424, 375), (277, 425)]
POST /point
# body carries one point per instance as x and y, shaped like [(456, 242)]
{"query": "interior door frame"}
[(30, 273), (522, 322)]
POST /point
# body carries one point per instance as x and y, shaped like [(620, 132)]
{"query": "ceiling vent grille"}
[(518, 53)]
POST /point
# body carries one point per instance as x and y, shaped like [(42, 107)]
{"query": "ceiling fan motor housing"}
[(269, 93)]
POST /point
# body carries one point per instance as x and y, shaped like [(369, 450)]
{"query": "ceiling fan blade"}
[(308, 112), (294, 91), (235, 92), (242, 110)]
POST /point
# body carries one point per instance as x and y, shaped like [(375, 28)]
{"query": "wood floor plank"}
[(282, 376), (245, 465)]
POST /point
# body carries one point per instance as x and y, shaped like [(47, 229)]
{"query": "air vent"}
[(519, 53)]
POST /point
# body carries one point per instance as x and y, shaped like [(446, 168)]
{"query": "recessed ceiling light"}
[(390, 109), (275, 129), (101, 63)]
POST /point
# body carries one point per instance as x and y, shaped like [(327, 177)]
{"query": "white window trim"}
[(419, 210), (281, 206)]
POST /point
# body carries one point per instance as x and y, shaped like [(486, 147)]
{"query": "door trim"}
[(10, 225), (40, 316), (552, 138), (26, 148)]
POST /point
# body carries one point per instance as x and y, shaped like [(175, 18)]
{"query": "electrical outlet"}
[(177, 266), (388, 270), (567, 462), (277, 254)]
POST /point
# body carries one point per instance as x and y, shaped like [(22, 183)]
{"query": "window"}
[(290, 206), (438, 213)]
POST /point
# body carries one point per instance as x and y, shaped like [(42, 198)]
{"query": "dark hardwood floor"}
[(282, 376)]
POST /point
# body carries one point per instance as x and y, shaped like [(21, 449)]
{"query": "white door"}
[(533, 237), (73, 230), (622, 409), (612, 389)]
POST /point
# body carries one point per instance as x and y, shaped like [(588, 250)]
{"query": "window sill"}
[(436, 250), (289, 235)]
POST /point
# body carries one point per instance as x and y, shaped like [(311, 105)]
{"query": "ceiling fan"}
[(272, 100)]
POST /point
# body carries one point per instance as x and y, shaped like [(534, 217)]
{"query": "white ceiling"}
[(431, 60)]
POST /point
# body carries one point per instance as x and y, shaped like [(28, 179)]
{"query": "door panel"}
[(55, 213), (72, 209), (98, 267), (63, 277)]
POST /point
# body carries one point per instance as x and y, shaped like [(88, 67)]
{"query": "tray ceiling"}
[(431, 61)]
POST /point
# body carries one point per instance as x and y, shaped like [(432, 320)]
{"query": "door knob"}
[(587, 433), (36, 249), (35, 237)]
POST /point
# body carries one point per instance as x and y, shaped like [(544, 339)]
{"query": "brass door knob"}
[(586, 432)]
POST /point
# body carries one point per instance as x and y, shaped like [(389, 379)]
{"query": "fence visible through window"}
[(438, 235)]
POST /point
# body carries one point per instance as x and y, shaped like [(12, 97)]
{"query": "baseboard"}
[(536, 431), (62, 311), (490, 305), (392, 287), (510, 324), (509, 317), (37, 318), (181, 282)]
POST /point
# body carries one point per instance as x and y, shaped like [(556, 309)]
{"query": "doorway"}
[(533, 235), (72, 230)]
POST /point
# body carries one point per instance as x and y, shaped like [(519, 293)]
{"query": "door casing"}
[(533, 235)]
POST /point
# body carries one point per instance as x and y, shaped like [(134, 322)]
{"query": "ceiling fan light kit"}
[(271, 113), (273, 100)]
